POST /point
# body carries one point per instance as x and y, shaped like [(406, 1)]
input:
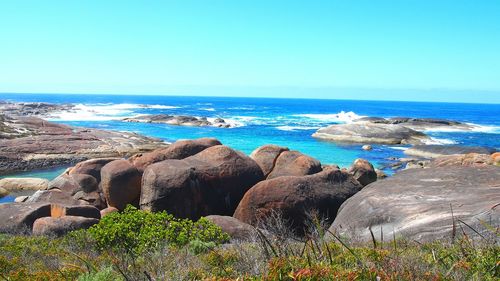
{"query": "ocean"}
[(259, 121)]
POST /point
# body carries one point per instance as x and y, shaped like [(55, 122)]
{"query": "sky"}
[(445, 50)]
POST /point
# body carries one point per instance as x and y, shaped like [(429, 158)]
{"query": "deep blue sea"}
[(259, 121)]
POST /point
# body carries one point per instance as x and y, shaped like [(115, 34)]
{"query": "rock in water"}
[(363, 172), (16, 184), (178, 150), (417, 204), (121, 183), (294, 197), (294, 163), (211, 182), (266, 156), (367, 132)]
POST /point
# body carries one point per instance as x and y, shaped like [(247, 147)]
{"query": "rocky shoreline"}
[(180, 120), (30, 143), (204, 178)]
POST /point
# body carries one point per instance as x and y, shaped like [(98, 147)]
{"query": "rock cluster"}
[(179, 120), (191, 179)]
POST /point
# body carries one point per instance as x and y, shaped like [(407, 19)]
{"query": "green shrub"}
[(105, 274), (136, 231)]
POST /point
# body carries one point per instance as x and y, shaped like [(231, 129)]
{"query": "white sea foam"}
[(103, 111), (439, 141), (232, 122), (208, 109), (296, 128), (399, 148), (341, 117)]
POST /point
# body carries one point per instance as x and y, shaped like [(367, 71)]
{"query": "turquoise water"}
[(286, 122)]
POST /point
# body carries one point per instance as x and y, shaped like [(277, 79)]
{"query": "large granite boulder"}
[(424, 205), (17, 184), (363, 172), (294, 163), (19, 217), (59, 226), (91, 167), (236, 229), (434, 151), (468, 160), (121, 183), (368, 132), (266, 156), (295, 197), (54, 196), (211, 182), (178, 150)]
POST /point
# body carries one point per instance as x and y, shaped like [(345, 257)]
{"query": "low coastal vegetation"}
[(138, 245)]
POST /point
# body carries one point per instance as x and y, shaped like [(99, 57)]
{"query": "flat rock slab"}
[(17, 184), (417, 204), (368, 132), (33, 143), (434, 151)]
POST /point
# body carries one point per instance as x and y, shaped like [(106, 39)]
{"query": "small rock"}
[(107, 211), (235, 228), (367, 147)]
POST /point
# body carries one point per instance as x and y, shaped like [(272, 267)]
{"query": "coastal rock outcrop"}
[(368, 132), (211, 182), (178, 150), (179, 120), (424, 205), (295, 197), (29, 143), (121, 183), (434, 151)]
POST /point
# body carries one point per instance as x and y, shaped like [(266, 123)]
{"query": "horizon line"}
[(252, 97)]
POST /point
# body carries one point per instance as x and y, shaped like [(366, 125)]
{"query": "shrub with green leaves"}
[(135, 230)]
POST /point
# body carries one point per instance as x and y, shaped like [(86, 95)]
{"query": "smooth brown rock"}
[(94, 198), (19, 217), (91, 167), (59, 226), (178, 150), (295, 197), (294, 163), (107, 211), (211, 182), (266, 156), (121, 183), (235, 228), (363, 171), (423, 205)]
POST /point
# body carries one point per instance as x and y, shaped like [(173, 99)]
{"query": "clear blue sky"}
[(439, 49)]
